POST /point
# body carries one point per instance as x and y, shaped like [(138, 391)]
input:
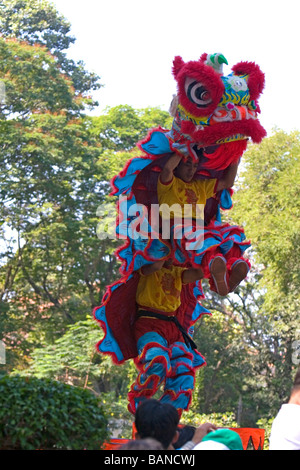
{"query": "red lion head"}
[(214, 109)]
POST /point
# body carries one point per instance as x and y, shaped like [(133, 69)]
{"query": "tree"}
[(270, 181), (37, 22), (249, 348), (49, 191), (73, 359), (55, 174), (48, 161), (121, 127), (232, 340)]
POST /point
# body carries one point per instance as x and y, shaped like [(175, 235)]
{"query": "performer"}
[(166, 351), (218, 247), (214, 117)]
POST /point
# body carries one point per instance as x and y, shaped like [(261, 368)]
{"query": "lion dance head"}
[(217, 112)]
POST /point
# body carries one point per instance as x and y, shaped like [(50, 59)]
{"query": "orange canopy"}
[(251, 438)]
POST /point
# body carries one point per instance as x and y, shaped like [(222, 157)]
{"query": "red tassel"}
[(226, 154)]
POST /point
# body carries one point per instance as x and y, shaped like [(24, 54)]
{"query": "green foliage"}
[(37, 22), (268, 205), (266, 424), (73, 359), (50, 185), (219, 340), (33, 82), (55, 175), (121, 127), (120, 420), (48, 415), (270, 180), (70, 358), (222, 420)]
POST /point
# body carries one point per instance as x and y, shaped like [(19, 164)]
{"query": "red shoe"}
[(218, 271), (239, 271)]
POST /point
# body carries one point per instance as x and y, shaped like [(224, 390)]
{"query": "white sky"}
[(131, 44)]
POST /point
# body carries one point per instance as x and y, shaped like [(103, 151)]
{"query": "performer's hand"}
[(192, 275), (228, 179)]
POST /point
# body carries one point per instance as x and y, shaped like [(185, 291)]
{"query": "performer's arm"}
[(152, 268), (192, 275), (166, 174), (228, 180)]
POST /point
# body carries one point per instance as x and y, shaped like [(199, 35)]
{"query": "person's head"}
[(186, 433), (295, 393), (221, 439), (186, 170), (142, 444), (157, 420)]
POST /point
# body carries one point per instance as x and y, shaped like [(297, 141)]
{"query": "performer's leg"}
[(237, 267), (219, 275), (233, 267), (180, 380), (219, 252), (153, 363)]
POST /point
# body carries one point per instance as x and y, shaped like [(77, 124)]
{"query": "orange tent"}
[(252, 439)]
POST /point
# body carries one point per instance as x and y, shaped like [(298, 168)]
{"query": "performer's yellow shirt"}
[(178, 193), (160, 290)]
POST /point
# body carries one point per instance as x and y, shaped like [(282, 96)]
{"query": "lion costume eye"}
[(197, 93)]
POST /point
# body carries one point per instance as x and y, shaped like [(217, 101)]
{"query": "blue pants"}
[(160, 363)]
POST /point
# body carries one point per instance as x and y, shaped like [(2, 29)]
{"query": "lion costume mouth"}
[(237, 113), (224, 125)]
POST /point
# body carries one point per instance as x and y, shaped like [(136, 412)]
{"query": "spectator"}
[(221, 439), (190, 436), (185, 435), (285, 432), (158, 421)]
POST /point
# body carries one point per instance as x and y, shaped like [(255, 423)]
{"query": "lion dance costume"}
[(214, 117)]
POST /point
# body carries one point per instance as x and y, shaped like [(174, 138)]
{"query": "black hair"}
[(186, 433), (157, 420)]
